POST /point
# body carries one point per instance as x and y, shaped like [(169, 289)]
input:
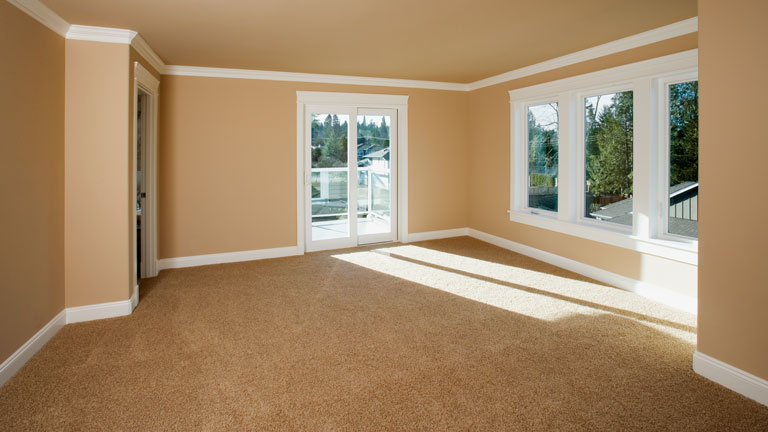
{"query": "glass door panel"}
[(330, 176), (375, 173)]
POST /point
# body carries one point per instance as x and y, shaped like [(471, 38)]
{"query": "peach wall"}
[(733, 292), (31, 177), (97, 249), (490, 178), (227, 162)]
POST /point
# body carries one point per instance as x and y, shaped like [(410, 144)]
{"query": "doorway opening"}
[(144, 177), (141, 194), (352, 149)]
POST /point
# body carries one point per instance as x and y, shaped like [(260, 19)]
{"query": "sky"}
[(546, 114)]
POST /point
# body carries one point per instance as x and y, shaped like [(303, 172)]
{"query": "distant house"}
[(378, 160), (683, 210), (364, 148)]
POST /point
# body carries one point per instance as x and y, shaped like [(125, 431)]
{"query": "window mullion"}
[(643, 155), (566, 200)]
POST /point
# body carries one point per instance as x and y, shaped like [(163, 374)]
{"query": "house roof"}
[(621, 212), (614, 210), (381, 154), (685, 227), (682, 188)]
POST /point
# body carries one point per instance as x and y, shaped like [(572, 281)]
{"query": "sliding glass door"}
[(351, 172)]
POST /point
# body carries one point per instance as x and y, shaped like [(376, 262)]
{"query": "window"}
[(542, 156), (608, 158), (612, 156), (683, 159)]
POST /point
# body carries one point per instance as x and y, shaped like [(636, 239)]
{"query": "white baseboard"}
[(13, 363), (100, 311), (645, 289), (230, 257), (731, 377), (135, 298), (67, 316), (435, 235)]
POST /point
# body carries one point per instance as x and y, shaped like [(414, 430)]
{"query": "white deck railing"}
[(328, 193)]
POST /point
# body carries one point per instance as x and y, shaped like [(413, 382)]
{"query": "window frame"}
[(581, 155), (662, 85), (648, 80), (524, 204)]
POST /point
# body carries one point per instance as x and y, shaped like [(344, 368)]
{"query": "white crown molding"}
[(43, 15), (652, 36), (670, 31), (50, 19), (141, 46), (731, 377), (685, 60), (120, 36), (101, 34), (12, 364), (309, 77), (53, 21)]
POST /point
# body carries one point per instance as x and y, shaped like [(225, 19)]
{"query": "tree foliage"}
[(684, 132), (542, 146), (329, 140), (329, 143), (609, 145)]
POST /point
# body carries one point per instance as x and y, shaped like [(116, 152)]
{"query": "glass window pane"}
[(684, 159), (608, 157), (373, 161), (543, 124), (330, 176)]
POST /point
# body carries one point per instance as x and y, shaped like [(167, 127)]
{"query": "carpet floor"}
[(452, 334)]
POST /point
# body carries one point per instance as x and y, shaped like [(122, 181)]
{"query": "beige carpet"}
[(444, 335)]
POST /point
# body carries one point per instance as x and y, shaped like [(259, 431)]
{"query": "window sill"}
[(682, 251)]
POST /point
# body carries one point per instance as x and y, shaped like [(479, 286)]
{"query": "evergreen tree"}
[(684, 132), (542, 147), (610, 147), (328, 122), (383, 129)]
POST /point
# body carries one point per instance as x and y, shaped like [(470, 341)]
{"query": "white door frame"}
[(144, 80), (353, 101)]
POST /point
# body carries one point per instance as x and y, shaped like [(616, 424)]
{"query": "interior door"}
[(350, 176)]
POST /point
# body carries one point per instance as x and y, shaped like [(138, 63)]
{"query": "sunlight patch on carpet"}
[(537, 294)]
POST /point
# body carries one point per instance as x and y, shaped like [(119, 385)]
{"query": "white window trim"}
[(661, 196), (646, 79), (580, 151), (522, 117)]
